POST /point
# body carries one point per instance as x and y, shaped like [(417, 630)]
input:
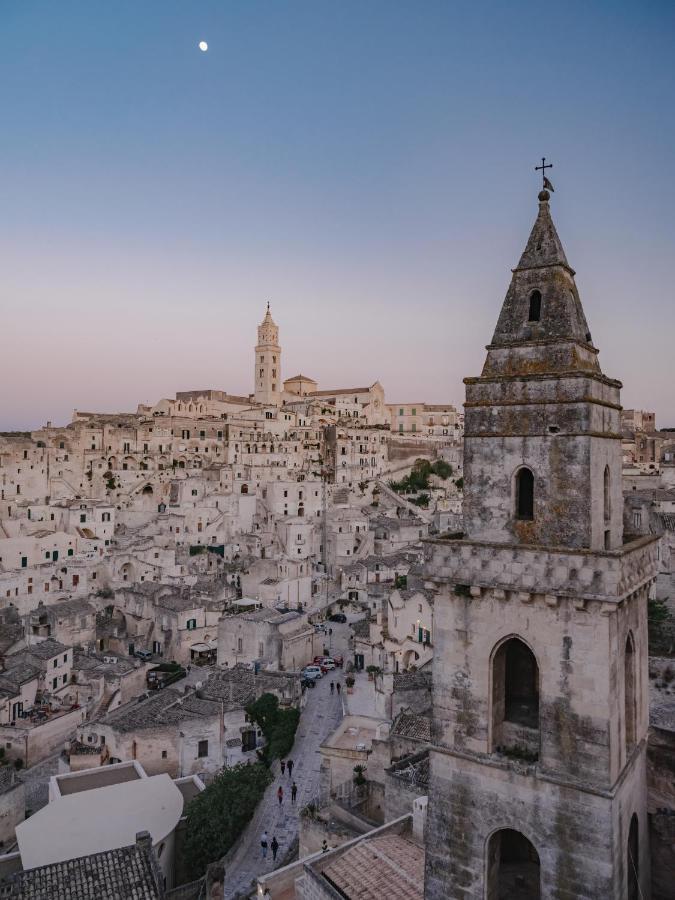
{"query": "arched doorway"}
[(515, 697), (513, 870)]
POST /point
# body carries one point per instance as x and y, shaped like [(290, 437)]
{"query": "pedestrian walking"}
[(283, 766), (275, 848), (330, 632), (324, 846), (263, 844), (294, 793), (289, 766), (280, 795), (339, 688), (332, 687)]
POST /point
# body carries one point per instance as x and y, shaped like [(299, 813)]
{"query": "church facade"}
[(540, 681)]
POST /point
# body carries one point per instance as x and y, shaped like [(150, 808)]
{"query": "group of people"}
[(265, 843), (335, 685)]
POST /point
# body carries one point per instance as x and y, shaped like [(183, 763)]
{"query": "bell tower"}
[(540, 683), (267, 363)]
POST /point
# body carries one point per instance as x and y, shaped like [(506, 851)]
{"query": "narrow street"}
[(320, 717)]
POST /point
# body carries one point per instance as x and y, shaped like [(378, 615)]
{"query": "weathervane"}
[(546, 184)]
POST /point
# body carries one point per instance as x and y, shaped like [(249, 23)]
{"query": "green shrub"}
[(217, 816)]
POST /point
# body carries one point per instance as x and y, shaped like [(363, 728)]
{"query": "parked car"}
[(145, 655), (320, 627), (338, 660), (327, 663), (308, 682), (312, 672), (338, 617)]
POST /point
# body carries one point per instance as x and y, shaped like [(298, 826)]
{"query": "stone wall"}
[(661, 806)]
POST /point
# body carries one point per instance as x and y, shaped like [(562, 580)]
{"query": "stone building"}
[(540, 694)]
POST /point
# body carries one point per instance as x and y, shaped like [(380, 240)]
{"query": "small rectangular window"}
[(203, 749)]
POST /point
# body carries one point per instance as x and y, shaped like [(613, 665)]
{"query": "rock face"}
[(540, 684)]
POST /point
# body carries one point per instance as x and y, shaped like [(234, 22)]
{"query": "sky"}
[(367, 167)]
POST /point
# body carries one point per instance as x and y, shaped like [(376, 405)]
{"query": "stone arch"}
[(147, 490), (630, 693), (633, 859), (514, 693), (410, 657), (523, 493), (112, 463), (127, 572), (513, 868)]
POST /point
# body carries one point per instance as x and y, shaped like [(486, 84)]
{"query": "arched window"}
[(513, 868), (534, 314), (244, 489), (633, 859), (515, 698), (524, 494), (629, 693)]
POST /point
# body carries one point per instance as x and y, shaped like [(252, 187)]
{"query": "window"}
[(65, 679), (524, 494), (55, 663), (203, 749), (240, 645), (629, 693), (606, 498), (55, 682), (534, 314), (633, 860), (164, 754), (637, 520), (191, 624)]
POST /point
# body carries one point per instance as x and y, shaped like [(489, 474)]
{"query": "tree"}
[(278, 726), (217, 816)]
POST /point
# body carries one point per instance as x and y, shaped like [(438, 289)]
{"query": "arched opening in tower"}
[(515, 700), (513, 869)]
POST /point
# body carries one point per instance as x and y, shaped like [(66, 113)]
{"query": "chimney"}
[(419, 818), (144, 841)]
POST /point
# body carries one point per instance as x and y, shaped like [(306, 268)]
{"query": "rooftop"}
[(388, 866), (161, 708), (127, 872), (73, 826), (415, 727)]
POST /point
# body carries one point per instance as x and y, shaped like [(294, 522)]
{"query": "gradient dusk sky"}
[(366, 166)]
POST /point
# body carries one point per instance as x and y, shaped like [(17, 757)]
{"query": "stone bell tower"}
[(267, 364), (540, 687)]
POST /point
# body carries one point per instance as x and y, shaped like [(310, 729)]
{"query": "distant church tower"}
[(267, 370), (540, 683)]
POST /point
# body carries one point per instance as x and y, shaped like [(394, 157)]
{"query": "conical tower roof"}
[(268, 320), (544, 247), (542, 321)]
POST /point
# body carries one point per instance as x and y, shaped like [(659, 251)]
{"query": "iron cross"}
[(544, 166)]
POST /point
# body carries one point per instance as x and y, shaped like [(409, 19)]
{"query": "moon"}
[(203, 46)]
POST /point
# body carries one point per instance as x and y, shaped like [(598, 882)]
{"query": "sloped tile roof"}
[(127, 872)]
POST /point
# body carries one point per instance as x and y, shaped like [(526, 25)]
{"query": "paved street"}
[(319, 718)]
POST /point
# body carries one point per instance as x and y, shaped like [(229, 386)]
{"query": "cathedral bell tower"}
[(540, 684), (267, 365)]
